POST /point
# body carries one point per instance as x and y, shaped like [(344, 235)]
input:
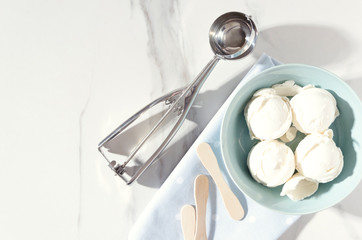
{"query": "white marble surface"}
[(72, 71)]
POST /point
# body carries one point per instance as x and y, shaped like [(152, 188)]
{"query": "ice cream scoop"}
[(318, 158), (232, 36), (299, 187), (314, 110), (271, 163), (268, 115)]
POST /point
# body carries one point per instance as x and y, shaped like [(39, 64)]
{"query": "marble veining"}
[(80, 149), (165, 41)]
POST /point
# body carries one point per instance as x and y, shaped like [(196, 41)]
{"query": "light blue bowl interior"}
[(347, 128)]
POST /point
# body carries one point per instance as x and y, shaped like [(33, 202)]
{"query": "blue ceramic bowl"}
[(347, 128)]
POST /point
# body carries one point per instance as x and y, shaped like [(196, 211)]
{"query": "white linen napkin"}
[(161, 218)]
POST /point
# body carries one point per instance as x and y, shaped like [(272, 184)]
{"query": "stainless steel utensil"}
[(232, 36)]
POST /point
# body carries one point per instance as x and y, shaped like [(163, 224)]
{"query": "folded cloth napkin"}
[(161, 218)]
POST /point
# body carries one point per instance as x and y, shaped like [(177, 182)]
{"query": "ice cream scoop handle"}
[(209, 161)]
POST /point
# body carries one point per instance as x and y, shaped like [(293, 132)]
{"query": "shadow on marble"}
[(351, 204), (316, 45), (121, 146), (356, 84), (132, 135), (294, 231), (203, 109)]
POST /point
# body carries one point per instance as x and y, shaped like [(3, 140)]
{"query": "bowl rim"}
[(246, 81)]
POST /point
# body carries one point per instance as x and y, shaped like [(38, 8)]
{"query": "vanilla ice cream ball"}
[(271, 163), (268, 115), (318, 158), (314, 110), (299, 187), (287, 88)]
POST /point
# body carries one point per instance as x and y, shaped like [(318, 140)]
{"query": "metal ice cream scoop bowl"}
[(232, 36)]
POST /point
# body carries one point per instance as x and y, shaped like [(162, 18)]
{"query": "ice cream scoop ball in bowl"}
[(236, 140)]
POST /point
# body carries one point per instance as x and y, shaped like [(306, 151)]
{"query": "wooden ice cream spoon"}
[(201, 194), (188, 219), (209, 161)]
